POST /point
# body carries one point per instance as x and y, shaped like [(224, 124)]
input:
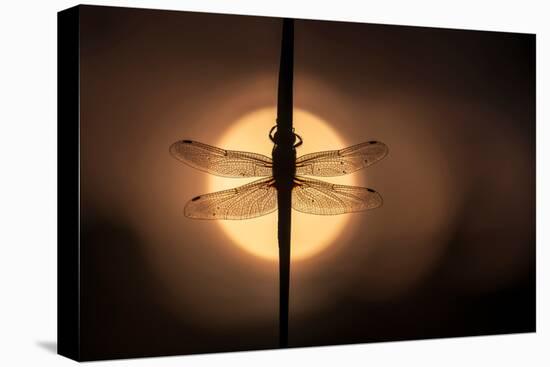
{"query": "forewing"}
[(323, 198), (341, 162), (244, 202), (220, 162)]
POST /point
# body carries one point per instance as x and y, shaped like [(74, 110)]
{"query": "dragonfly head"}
[(285, 137)]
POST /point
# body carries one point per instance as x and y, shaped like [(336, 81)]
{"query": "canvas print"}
[(242, 182)]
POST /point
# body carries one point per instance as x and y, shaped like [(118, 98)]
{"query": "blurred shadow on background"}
[(50, 346), (121, 315)]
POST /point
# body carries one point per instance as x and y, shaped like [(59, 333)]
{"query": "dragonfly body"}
[(277, 175), (284, 158), (284, 167)]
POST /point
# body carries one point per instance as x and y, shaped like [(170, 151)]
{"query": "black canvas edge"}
[(68, 183)]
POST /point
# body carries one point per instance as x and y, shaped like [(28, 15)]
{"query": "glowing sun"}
[(310, 233)]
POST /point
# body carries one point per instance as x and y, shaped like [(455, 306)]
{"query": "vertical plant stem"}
[(284, 189)]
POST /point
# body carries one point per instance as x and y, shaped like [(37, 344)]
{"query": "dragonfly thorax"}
[(284, 155), (284, 165)]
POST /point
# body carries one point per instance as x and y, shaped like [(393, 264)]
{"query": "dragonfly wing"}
[(341, 162), (323, 198), (220, 162), (244, 202)]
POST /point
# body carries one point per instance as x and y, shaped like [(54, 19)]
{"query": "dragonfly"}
[(259, 197)]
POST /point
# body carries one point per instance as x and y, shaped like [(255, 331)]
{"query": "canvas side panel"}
[(68, 338)]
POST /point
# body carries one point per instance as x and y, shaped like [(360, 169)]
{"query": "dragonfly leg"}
[(271, 136), (296, 145)]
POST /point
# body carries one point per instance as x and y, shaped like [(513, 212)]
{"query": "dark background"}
[(451, 253)]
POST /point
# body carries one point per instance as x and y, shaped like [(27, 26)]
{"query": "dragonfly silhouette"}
[(260, 197)]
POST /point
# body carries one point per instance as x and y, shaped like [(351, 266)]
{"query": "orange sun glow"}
[(258, 236)]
